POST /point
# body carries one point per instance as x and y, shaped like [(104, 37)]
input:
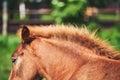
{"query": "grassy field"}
[(7, 46)]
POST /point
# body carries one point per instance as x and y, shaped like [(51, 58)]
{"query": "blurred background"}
[(95, 14)]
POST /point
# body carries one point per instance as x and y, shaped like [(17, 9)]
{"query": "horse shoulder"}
[(101, 69)]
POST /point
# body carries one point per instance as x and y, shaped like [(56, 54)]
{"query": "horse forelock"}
[(72, 33)]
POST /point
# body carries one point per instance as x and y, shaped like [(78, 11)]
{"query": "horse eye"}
[(14, 59)]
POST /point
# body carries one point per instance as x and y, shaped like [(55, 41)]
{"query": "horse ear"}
[(25, 33)]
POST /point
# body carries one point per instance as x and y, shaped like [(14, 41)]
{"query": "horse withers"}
[(63, 52)]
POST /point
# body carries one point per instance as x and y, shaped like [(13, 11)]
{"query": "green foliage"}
[(7, 46), (111, 35), (117, 26), (72, 11), (93, 26), (68, 10)]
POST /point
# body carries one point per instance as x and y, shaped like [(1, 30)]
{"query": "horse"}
[(63, 52)]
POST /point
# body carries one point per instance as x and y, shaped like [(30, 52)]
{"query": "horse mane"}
[(80, 36)]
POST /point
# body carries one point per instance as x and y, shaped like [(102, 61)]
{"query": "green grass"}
[(112, 36), (46, 17), (108, 17), (7, 46)]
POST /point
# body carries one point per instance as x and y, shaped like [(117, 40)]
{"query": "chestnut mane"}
[(80, 36)]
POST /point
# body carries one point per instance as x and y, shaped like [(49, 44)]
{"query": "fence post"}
[(22, 10), (4, 18)]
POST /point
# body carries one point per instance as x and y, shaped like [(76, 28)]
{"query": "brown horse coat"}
[(63, 53)]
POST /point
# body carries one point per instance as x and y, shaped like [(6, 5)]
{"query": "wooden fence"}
[(14, 24)]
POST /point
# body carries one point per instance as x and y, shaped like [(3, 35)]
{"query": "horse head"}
[(24, 65)]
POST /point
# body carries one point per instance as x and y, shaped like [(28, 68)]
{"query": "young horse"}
[(63, 53)]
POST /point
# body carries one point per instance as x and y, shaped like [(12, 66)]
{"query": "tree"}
[(71, 11)]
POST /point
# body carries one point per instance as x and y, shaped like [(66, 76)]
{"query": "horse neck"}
[(60, 58)]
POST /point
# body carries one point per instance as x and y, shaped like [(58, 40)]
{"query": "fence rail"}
[(13, 24)]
